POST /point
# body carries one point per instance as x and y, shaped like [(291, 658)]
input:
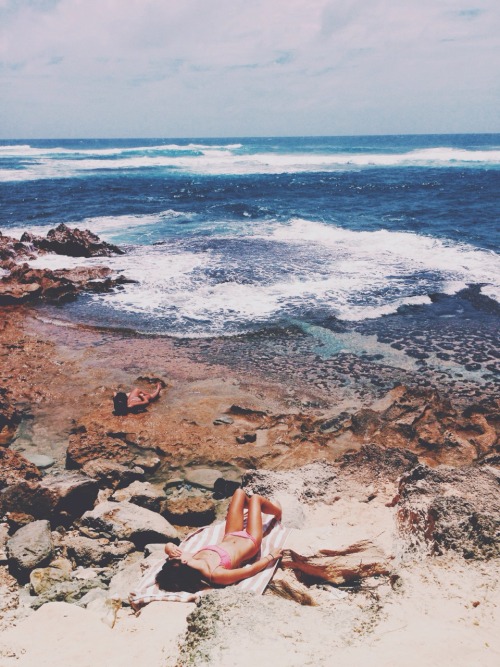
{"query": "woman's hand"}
[(172, 550), (276, 554)]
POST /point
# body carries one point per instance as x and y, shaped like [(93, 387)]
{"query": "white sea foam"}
[(225, 160), (352, 275)]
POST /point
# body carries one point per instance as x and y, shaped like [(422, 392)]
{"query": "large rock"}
[(30, 547), (95, 552), (59, 498), (143, 494), (73, 242), (125, 521), (112, 474), (455, 509), (189, 511)]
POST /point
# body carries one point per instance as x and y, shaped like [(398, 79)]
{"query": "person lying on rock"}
[(136, 398), (221, 564)]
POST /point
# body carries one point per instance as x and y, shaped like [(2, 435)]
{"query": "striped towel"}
[(148, 590)]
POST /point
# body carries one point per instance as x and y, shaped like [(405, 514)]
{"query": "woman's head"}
[(120, 402), (177, 576)]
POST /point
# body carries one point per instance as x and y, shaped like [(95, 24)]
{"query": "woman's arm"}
[(225, 577)]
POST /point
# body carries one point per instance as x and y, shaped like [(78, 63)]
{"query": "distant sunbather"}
[(126, 402), (221, 564)]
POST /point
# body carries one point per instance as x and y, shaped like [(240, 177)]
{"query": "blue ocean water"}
[(231, 236)]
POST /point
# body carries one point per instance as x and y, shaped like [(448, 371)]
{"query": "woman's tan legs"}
[(234, 519)]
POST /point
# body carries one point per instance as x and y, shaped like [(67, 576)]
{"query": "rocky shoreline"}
[(394, 506)]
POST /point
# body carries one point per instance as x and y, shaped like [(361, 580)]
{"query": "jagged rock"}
[(429, 425), (57, 497), (143, 494), (4, 537), (111, 474), (339, 566), (72, 242), (95, 552), (125, 521), (30, 547), (454, 509), (87, 444), (190, 511), (15, 468)]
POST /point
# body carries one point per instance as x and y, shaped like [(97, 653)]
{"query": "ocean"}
[(345, 253)]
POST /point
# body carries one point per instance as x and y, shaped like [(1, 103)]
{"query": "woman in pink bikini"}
[(221, 564)]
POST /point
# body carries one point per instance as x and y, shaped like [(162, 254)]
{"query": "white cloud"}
[(241, 67)]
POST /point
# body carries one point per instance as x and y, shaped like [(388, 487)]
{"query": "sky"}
[(239, 68)]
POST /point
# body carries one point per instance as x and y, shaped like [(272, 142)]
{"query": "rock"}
[(72, 242), (30, 547), (67, 591), (43, 579), (16, 520), (455, 509), (190, 511), (41, 461), (93, 442), (15, 468), (339, 566), (111, 474), (225, 488), (59, 497), (97, 552), (203, 478), (148, 463), (125, 521), (245, 438), (223, 419), (143, 494)]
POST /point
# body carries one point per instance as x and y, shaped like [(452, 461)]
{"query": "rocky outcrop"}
[(59, 498), (125, 521), (424, 422), (453, 509), (72, 242), (30, 547), (24, 283)]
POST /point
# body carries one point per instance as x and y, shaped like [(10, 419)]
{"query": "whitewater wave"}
[(221, 287), (222, 159)]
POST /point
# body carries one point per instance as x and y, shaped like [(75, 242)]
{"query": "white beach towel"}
[(275, 535)]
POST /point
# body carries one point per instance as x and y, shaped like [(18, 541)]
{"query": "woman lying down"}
[(221, 564)]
